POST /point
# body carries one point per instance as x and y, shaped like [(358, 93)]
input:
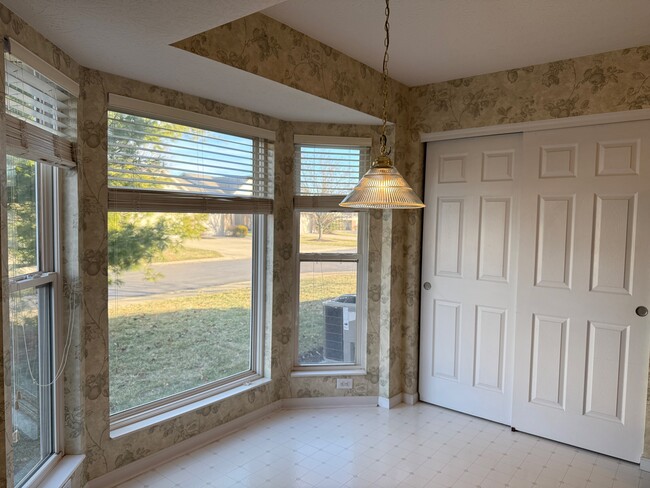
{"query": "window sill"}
[(61, 472), (305, 373), (170, 414)]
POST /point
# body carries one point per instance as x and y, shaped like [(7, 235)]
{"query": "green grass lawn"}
[(164, 346), (328, 242)]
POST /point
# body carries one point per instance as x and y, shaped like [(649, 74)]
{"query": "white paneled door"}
[(581, 366), (469, 276), (536, 282)]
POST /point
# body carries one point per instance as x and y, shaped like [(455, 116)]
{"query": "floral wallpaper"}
[(607, 82), (593, 84)]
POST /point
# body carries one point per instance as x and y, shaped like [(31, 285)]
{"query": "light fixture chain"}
[(382, 147), (382, 187)]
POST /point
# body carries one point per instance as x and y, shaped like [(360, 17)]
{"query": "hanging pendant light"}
[(382, 186)]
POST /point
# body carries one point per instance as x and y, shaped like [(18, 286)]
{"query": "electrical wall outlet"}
[(344, 383)]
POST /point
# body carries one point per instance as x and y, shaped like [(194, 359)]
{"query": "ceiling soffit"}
[(263, 46)]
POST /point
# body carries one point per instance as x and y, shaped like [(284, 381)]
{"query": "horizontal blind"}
[(316, 203), (324, 169), (34, 98), (31, 142), (154, 155), (156, 201)]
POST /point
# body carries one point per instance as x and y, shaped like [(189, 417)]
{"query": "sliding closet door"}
[(582, 340), (468, 277)]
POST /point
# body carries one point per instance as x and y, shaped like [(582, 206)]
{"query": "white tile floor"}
[(419, 446)]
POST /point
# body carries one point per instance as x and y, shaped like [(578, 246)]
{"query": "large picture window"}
[(40, 131), (332, 257), (186, 232)]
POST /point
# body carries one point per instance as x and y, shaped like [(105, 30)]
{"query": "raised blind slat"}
[(32, 142), (170, 158), (323, 169), (125, 200), (316, 203)]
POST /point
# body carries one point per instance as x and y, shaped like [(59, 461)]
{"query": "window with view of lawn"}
[(40, 128), (332, 257), (32, 308), (180, 302), (331, 300), (186, 232)]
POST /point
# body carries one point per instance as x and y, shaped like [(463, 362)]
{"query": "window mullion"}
[(45, 218), (45, 366), (257, 295)]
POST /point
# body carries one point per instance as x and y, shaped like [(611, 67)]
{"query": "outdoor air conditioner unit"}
[(341, 329)]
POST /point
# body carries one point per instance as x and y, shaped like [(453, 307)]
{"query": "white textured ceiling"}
[(439, 40), (431, 40), (132, 38)]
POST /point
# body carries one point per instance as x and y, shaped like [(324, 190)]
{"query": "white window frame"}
[(49, 153), (361, 259), (162, 406), (48, 274), (329, 203), (143, 415)]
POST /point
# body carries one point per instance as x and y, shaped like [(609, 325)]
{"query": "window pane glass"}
[(179, 302), (329, 170), (328, 325), (21, 216), (146, 153), (328, 232), (31, 376)]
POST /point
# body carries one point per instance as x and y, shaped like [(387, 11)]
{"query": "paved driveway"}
[(188, 276)]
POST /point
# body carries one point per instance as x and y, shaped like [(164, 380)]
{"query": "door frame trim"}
[(536, 125)]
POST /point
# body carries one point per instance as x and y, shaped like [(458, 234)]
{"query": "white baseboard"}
[(329, 402), (391, 402), (136, 468), (410, 398), (645, 464)]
